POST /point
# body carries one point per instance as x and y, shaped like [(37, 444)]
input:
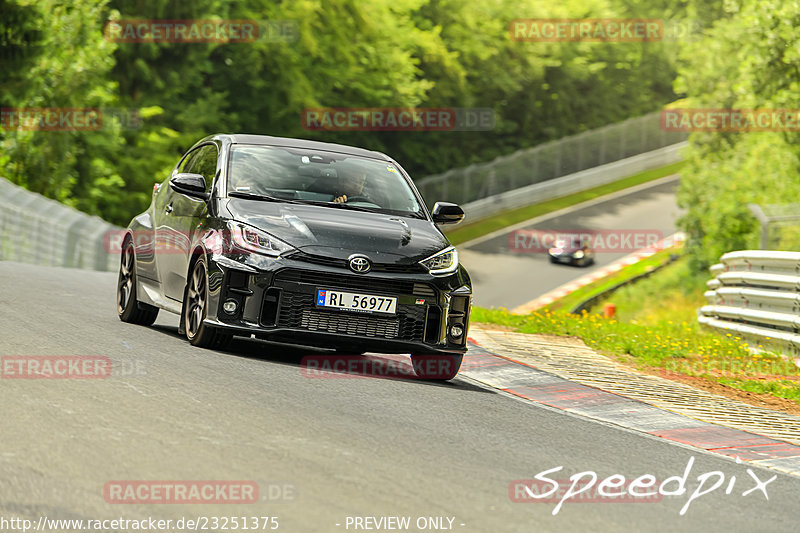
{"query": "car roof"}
[(268, 140)]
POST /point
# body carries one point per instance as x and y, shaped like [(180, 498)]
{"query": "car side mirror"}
[(447, 213), (192, 185)]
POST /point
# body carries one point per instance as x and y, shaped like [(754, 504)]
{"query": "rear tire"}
[(195, 310), (129, 309), (436, 366)]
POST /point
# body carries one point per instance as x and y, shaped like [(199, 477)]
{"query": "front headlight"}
[(579, 254), (443, 262), (255, 240)]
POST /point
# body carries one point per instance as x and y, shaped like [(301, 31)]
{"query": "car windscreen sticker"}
[(391, 169), (321, 297)]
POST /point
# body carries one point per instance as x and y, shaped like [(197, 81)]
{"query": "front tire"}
[(195, 310), (129, 309), (436, 367)]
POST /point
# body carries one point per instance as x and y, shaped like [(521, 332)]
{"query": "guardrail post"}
[(763, 220), (622, 143), (602, 156), (643, 136)]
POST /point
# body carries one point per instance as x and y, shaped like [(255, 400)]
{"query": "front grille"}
[(358, 283), (372, 326), (421, 289), (342, 263), (298, 311), (414, 268), (319, 260)]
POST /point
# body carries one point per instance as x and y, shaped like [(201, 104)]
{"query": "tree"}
[(747, 60)]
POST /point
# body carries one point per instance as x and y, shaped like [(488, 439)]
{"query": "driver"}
[(350, 183)]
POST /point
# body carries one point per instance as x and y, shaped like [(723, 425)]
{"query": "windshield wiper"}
[(376, 209), (262, 197), (339, 205)]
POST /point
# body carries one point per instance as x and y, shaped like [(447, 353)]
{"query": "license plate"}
[(352, 301)]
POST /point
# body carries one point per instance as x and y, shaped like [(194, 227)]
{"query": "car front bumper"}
[(275, 300)]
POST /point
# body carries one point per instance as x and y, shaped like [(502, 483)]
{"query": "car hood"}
[(338, 233)]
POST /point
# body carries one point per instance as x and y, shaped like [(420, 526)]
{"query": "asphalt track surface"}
[(502, 277), (346, 447)]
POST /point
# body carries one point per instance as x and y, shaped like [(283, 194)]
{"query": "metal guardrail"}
[(38, 230), (573, 183), (756, 295), (549, 161)]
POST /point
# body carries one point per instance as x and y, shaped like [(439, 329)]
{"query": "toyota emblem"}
[(360, 264)]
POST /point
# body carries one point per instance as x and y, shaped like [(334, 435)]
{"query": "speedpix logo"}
[(585, 487)]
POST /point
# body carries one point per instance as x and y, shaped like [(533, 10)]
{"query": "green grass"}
[(575, 298), (779, 388), (660, 345), (477, 229), (675, 293), (656, 327)]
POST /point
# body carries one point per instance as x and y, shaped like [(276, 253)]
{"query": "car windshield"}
[(310, 176), (561, 242)]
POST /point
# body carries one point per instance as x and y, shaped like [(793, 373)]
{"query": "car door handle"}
[(169, 209)]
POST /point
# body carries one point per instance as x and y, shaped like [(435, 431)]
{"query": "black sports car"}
[(302, 242), (570, 252)]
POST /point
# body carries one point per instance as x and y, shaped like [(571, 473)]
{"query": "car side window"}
[(204, 162), (187, 161)]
